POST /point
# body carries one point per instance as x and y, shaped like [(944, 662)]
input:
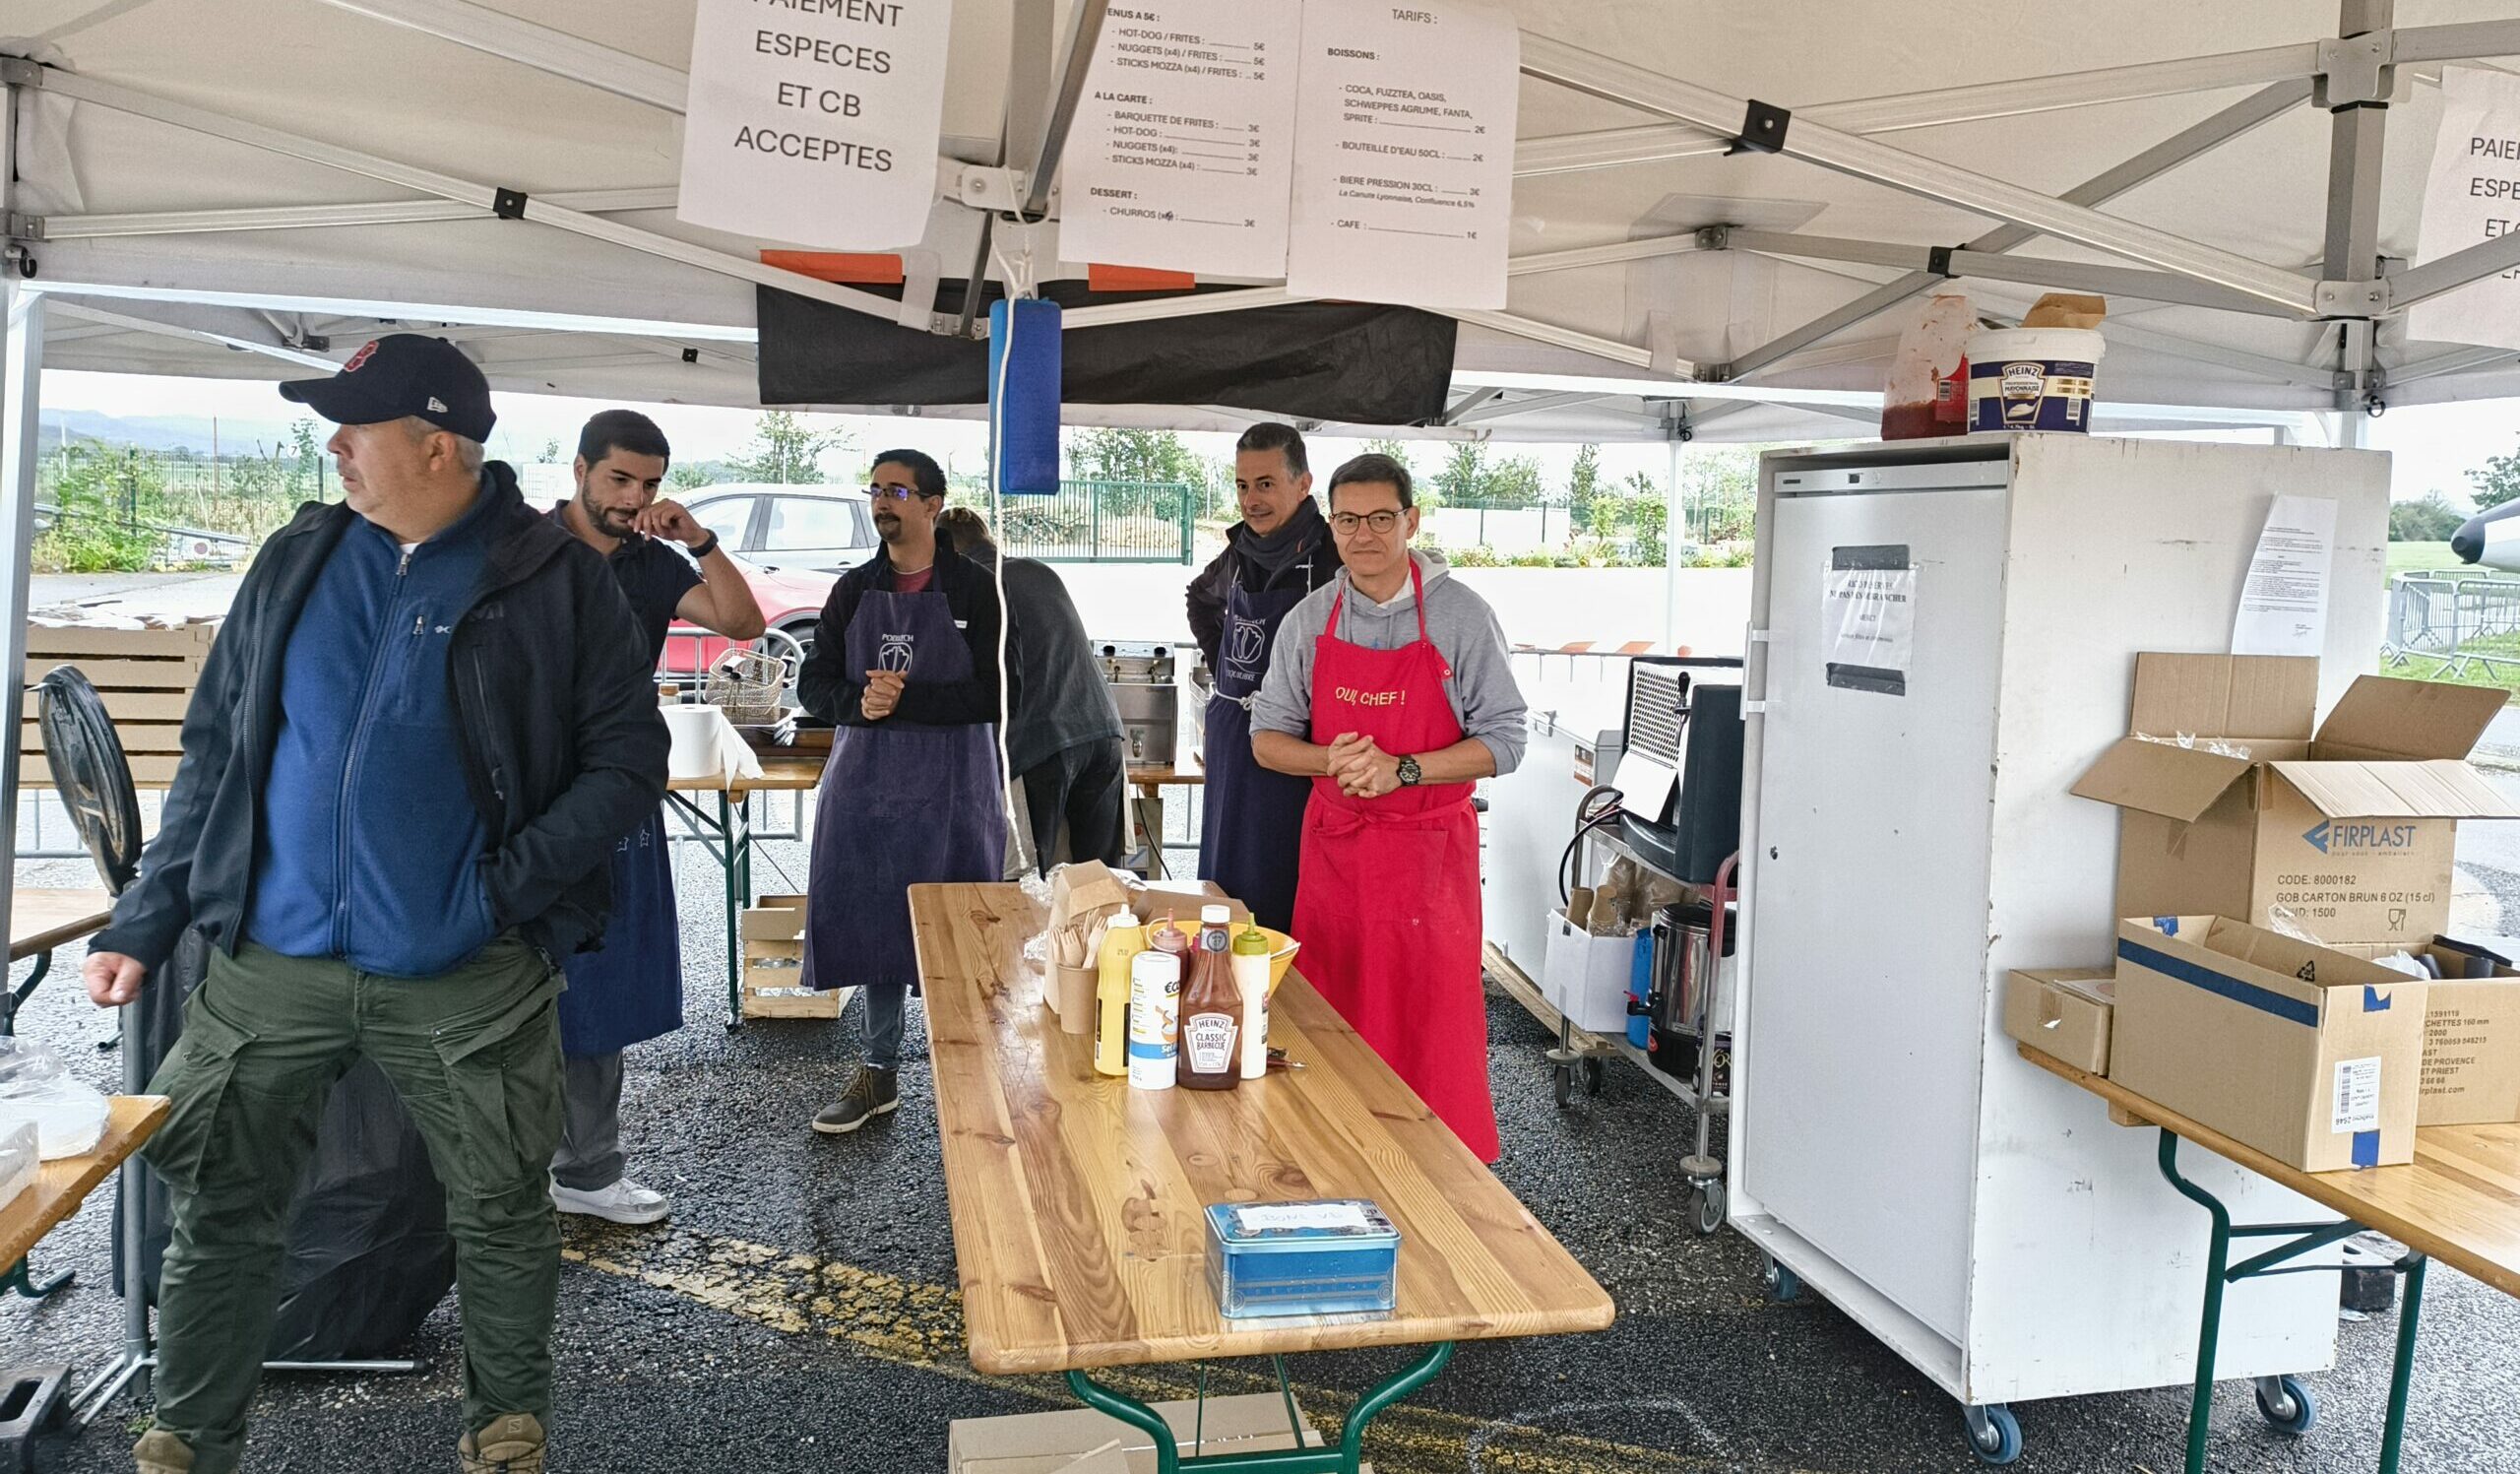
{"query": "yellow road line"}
[(917, 1324)]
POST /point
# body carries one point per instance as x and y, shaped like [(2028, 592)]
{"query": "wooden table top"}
[(62, 1186), (2458, 1201), (803, 771), (42, 919), (1076, 1202), (1186, 768)]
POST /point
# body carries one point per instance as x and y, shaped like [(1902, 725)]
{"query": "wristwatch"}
[(706, 549), (1410, 772)]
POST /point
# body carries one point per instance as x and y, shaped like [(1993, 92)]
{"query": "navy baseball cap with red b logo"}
[(403, 375)]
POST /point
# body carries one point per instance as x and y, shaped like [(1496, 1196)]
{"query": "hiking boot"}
[(511, 1444), (875, 1092), (161, 1452), (625, 1202)]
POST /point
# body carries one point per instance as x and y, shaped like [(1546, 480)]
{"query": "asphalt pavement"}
[(799, 1312)]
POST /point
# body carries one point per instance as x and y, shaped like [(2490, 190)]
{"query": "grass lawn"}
[(2417, 557), (2505, 672)]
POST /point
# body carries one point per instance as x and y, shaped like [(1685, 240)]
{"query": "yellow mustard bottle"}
[(1122, 940)]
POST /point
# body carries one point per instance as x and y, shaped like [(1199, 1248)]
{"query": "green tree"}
[(96, 494), (1462, 480), (1583, 484), (786, 450), (687, 476), (1146, 463), (2497, 482), (2430, 520), (1645, 518)]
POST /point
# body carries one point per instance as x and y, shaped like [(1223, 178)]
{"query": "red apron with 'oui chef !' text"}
[(1387, 897)]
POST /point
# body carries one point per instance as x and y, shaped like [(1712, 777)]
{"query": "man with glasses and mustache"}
[(1391, 690), (905, 665), (630, 991)]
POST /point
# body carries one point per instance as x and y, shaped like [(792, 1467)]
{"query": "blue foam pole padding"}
[(1024, 394)]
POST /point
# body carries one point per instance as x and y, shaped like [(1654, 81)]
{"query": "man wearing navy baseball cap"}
[(414, 744)]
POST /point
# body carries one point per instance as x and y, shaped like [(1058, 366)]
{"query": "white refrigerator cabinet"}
[(1942, 637)]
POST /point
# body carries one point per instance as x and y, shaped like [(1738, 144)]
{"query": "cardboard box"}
[(2348, 827), (1081, 1441), (773, 933), (2471, 1036), (2306, 1052), (2066, 1013), (1586, 977)]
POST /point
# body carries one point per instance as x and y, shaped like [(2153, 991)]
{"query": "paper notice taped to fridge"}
[(1868, 619), (2284, 603)]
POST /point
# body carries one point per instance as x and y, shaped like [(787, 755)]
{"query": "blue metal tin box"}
[(1317, 1259)]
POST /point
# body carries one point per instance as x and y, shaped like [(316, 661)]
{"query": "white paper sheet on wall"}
[(1404, 161), (2284, 603), (1183, 153), (815, 124), (2470, 198)]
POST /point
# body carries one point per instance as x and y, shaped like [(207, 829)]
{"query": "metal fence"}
[(1101, 522), (2466, 621)]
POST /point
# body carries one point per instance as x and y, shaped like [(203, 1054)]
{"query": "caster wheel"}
[(2287, 1405), (1562, 1084), (1994, 1433), (1706, 1208), (1783, 1286), (1593, 1076)]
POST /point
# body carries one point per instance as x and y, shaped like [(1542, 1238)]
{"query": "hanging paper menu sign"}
[(2472, 196), (1404, 161), (815, 122), (1184, 141)]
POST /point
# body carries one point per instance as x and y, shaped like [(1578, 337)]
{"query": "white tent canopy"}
[(251, 187)]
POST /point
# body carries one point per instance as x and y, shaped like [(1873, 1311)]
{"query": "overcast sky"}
[(2433, 444)]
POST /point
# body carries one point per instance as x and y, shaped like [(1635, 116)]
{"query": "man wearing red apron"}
[(1390, 688)]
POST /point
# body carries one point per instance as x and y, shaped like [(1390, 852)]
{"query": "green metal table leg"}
[(729, 860), (18, 1281), (2200, 1409), (1344, 1458), (11, 998), (2393, 1432)]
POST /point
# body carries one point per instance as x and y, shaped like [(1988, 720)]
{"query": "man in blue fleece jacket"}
[(414, 744)]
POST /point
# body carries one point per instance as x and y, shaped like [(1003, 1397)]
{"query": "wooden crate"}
[(146, 677), (773, 941)]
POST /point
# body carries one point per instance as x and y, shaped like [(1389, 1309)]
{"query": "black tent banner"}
[(1347, 362)]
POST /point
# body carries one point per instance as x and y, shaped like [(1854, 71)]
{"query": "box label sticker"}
[(2357, 1103)]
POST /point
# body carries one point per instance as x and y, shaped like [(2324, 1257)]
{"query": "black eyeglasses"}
[(1346, 523), (892, 493)]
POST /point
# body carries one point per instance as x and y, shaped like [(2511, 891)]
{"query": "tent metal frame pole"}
[(1535, 405), (2188, 143), (130, 101), (2035, 270), (20, 431), (322, 217), (1041, 160), (2307, 376), (2449, 273), (1660, 142), (1850, 153), (134, 322), (2358, 135), (538, 47), (2458, 361), (2460, 40), (1646, 250)]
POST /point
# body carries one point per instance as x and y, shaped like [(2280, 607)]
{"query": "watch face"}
[(1409, 770)]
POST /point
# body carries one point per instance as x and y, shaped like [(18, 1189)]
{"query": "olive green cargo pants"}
[(476, 1055)]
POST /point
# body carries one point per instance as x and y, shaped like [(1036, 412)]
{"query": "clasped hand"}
[(1360, 768), (883, 693)]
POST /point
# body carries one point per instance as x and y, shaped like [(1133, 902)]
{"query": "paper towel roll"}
[(695, 732)]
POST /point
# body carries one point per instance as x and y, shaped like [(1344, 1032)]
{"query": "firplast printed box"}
[(2235, 804), (2308, 1053)]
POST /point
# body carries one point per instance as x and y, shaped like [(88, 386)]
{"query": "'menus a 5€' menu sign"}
[(815, 122)]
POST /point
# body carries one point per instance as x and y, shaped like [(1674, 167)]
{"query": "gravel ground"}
[(797, 1314)]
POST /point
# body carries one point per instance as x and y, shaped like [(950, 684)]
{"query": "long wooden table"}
[(726, 834), (2458, 1202), (40, 919), (1076, 1202), (62, 1186)]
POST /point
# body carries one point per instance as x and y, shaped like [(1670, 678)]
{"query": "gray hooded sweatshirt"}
[(1482, 690)]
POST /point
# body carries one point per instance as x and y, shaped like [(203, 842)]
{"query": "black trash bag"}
[(368, 1256)]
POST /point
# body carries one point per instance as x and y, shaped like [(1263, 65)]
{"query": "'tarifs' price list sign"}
[(815, 122), (1183, 145), (1403, 168)]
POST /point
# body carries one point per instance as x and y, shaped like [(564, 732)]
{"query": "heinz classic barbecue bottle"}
[(1212, 1008)]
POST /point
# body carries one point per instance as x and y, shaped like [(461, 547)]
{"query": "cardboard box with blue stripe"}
[(2235, 804), (2308, 1054)]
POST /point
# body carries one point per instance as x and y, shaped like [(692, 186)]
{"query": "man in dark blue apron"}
[(1252, 825), (631, 991), (905, 666)]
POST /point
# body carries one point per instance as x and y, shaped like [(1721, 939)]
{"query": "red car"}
[(791, 602)]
